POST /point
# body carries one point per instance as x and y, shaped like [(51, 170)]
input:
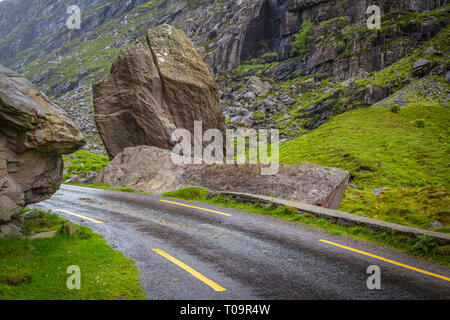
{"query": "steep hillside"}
[(374, 102), (396, 150), (239, 39)]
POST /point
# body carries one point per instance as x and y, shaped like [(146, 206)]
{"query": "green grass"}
[(421, 246), (105, 186), (83, 161), (302, 38), (36, 269), (413, 206), (384, 149), (190, 193)]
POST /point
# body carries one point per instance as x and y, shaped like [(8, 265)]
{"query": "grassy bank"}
[(83, 161), (423, 247), (383, 149), (36, 269)]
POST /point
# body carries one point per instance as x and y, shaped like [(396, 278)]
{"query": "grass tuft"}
[(190, 193)]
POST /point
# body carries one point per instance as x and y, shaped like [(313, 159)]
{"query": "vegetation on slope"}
[(83, 161), (382, 149)]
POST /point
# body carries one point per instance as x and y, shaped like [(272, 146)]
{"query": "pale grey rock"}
[(378, 192), (151, 169), (422, 67), (436, 224), (9, 230)]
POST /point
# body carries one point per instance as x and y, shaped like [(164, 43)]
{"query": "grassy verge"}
[(423, 247), (36, 269), (105, 186)]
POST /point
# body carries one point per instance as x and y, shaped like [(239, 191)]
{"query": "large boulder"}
[(151, 169), (155, 87), (34, 132)]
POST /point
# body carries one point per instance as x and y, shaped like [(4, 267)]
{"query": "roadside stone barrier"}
[(335, 216)]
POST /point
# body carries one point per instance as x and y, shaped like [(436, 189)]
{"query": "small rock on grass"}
[(33, 214), (9, 230), (436, 224), (42, 235), (378, 192), (68, 229)]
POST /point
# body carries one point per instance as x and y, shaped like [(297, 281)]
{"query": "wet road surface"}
[(188, 250)]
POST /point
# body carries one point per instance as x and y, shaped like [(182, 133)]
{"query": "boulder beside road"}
[(151, 169), (34, 132), (156, 86)]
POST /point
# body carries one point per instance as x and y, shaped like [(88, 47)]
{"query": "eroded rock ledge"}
[(34, 132)]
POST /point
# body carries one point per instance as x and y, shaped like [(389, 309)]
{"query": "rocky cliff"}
[(238, 38)]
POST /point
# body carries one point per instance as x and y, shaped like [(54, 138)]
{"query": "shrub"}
[(395, 108), (419, 123), (341, 47), (300, 44)]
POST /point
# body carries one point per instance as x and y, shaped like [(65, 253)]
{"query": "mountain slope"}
[(310, 68), (239, 39)]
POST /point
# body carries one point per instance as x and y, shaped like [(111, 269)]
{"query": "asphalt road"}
[(231, 254)]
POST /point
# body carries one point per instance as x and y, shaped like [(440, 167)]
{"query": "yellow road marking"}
[(79, 215), (196, 274), (186, 205), (387, 260)]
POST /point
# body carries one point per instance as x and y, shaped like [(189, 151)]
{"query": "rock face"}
[(34, 133), (229, 34), (155, 87), (151, 169)]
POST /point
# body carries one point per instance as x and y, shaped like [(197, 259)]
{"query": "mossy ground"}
[(105, 186), (83, 161), (36, 269), (191, 193)]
